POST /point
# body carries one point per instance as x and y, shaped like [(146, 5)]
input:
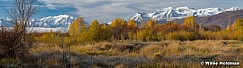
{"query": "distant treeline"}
[(150, 30)]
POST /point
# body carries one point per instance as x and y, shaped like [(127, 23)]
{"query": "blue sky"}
[(107, 10)]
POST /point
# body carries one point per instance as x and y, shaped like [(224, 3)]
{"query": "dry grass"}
[(139, 54)]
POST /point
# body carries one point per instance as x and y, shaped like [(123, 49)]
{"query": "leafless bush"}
[(13, 40), (11, 44)]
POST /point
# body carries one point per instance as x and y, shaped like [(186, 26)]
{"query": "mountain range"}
[(207, 16), (171, 13), (46, 22), (221, 19)]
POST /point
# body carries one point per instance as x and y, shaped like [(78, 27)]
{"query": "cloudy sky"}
[(106, 10)]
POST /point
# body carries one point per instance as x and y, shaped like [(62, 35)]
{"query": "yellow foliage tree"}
[(160, 36), (141, 35), (238, 24), (181, 35), (118, 22), (105, 33), (228, 28), (94, 30), (118, 28), (132, 23), (151, 23), (131, 35), (47, 38), (238, 34), (84, 37), (77, 26), (144, 35), (189, 22)]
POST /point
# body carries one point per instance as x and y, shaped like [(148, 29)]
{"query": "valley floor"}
[(172, 54)]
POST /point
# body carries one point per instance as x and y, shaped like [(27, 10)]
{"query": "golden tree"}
[(105, 33), (228, 28), (76, 28), (141, 35), (94, 30), (189, 22), (238, 24), (118, 27), (132, 23), (118, 22), (144, 35), (151, 23), (132, 27)]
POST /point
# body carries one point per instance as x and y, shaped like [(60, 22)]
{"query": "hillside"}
[(220, 19)]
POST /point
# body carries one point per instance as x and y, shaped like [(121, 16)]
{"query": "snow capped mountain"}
[(171, 13), (53, 21), (47, 22)]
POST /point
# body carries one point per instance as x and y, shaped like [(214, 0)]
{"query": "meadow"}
[(125, 54)]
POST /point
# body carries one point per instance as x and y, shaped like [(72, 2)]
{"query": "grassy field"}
[(127, 54)]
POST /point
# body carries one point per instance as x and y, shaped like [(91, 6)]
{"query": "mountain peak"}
[(178, 13), (233, 9), (47, 22)]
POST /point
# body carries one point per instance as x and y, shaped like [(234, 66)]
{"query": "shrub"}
[(11, 44), (181, 35)]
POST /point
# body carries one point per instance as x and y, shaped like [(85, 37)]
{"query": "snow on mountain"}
[(171, 13), (53, 21), (46, 22)]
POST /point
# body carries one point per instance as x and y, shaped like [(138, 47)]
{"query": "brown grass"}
[(138, 54)]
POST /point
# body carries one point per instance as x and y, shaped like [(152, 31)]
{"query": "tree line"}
[(151, 30)]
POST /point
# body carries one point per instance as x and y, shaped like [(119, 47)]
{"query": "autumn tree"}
[(84, 37), (189, 22), (228, 28), (105, 33), (119, 29), (151, 23), (94, 30), (132, 23), (142, 35), (118, 22), (165, 28), (238, 34), (238, 24), (132, 27), (76, 28), (181, 35), (47, 38), (168, 27)]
